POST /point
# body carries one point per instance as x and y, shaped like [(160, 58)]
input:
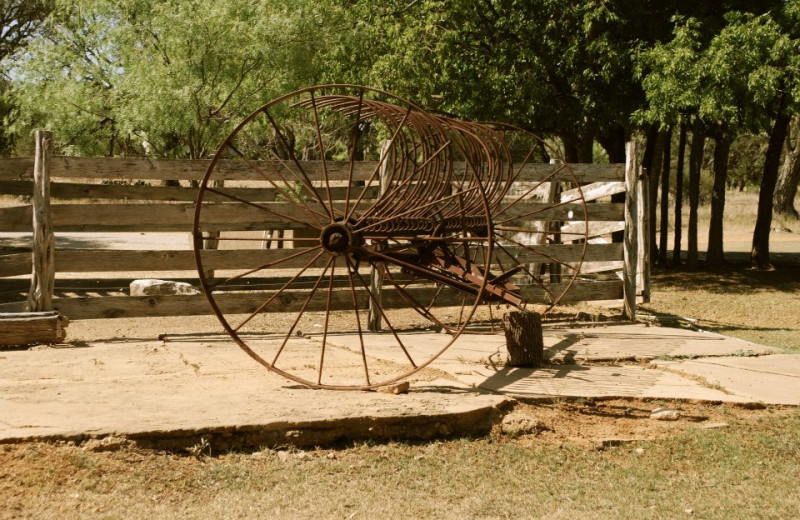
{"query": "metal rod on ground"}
[(43, 271), (630, 241)]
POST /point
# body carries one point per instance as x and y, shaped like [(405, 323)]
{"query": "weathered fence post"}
[(375, 275), (630, 241), (643, 240), (43, 271)]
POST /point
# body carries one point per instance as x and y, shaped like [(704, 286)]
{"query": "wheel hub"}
[(338, 239)]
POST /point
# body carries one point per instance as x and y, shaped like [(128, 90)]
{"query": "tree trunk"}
[(578, 147), (654, 174), (759, 255), (613, 142), (789, 177), (664, 225), (676, 248), (715, 256), (695, 165)]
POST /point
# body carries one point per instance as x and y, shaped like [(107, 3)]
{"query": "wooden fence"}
[(84, 280)]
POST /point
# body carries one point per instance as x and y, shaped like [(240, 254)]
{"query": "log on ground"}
[(32, 328)]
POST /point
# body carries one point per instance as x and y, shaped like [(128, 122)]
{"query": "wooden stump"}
[(524, 338), (30, 328)]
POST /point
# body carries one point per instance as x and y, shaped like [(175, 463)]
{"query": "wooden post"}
[(375, 275), (211, 238), (643, 239), (524, 339), (43, 273), (630, 241)]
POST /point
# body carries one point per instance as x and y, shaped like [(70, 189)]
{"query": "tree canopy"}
[(170, 78)]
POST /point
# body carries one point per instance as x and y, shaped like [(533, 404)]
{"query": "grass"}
[(758, 306), (748, 470)]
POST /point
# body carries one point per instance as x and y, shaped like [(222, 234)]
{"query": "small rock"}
[(515, 425), (665, 414), (399, 388), (153, 287), (689, 511), (639, 451)]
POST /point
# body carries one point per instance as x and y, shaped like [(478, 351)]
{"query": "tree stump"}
[(524, 338)]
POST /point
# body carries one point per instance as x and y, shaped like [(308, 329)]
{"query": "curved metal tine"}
[(413, 210), (531, 248), (279, 291), (327, 319), (322, 151), (546, 179), (535, 279), (358, 319), (301, 312), (378, 167), (377, 305), (302, 207), (536, 211), (308, 184), (353, 144), (511, 255), (264, 266), (397, 187), (259, 206)]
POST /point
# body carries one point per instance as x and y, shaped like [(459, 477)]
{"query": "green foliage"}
[(734, 77), (175, 75)]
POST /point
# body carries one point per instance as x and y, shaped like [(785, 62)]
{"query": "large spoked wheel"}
[(332, 207)]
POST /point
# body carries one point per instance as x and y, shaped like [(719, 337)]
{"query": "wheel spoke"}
[(302, 207), (353, 144), (327, 319), (358, 319), (302, 311), (377, 168), (293, 157), (262, 208), (264, 266), (279, 291), (377, 305)]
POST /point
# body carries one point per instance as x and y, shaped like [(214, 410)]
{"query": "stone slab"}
[(176, 392), (768, 379), (564, 345)]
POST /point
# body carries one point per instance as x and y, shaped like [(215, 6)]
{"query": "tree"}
[(109, 76), (19, 21), (789, 177), (555, 67)]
